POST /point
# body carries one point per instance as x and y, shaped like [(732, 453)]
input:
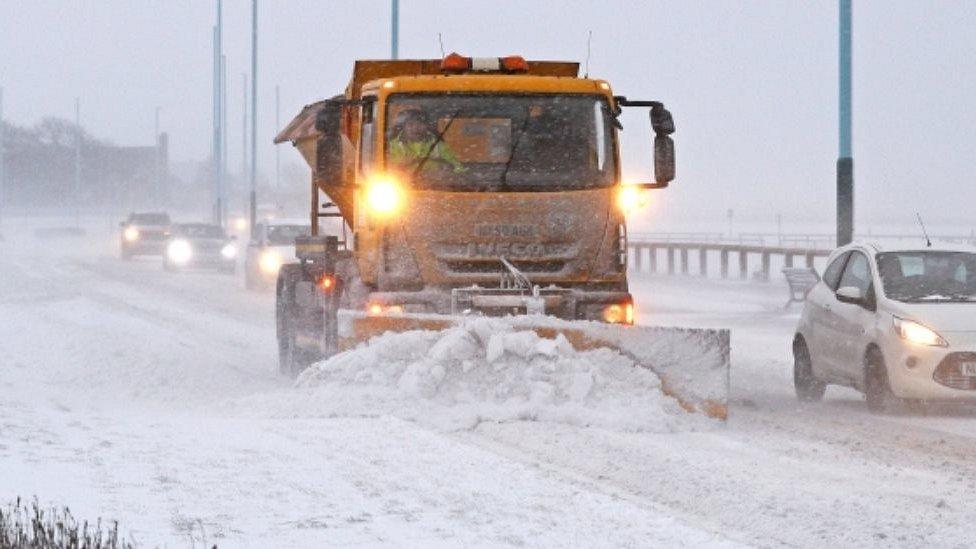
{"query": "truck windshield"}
[(496, 142), (928, 277)]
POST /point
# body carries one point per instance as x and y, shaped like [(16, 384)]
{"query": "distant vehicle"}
[(272, 244), (200, 245), (144, 234), (897, 323)]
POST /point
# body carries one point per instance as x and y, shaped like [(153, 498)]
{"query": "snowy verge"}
[(487, 370)]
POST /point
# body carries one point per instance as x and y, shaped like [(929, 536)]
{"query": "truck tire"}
[(293, 359)]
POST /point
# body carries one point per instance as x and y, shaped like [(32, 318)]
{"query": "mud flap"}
[(693, 364)]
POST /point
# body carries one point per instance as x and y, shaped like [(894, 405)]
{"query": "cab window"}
[(368, 137)]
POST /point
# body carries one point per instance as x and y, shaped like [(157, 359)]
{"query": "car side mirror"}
[(850, 294), (328, 149)]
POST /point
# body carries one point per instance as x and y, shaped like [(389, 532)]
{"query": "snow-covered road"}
[(152, 398)]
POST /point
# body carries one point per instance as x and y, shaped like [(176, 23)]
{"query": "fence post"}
[(743, 264), (765, 265), (652, 256), (789, 260), (703, 261), (670, 260), (684, 260), (809, 261), (724, 258), (638, 260)]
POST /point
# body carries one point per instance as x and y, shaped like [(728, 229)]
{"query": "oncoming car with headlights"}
[(144, 234), (200, 245), (272, 244), (897, 323)]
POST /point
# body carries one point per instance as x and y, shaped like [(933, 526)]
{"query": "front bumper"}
[(144, 247), (564, 303), (932, 373)]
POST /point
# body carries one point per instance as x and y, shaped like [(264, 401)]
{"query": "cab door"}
[(852, 320)]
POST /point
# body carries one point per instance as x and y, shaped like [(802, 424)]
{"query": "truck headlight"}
[(229, 251), (631, 198), (914, 332), (384, 197), (130, 234), (619, 314), (179, 251), (270, 262)]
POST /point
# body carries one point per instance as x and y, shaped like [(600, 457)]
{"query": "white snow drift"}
[(486, 370)]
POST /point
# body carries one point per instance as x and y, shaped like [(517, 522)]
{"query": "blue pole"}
[(395, 30), (845, 160), (252, 210)]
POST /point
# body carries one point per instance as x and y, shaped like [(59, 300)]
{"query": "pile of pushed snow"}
[(485, 370)]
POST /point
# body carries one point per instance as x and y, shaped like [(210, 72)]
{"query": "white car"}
[(894, 323), (272, 244)]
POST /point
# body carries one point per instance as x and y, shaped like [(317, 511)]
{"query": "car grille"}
[(949, 372)]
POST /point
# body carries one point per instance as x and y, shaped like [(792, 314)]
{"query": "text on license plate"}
[(968, 368)]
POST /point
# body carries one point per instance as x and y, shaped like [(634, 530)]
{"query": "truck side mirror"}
[(328, 149), (663, 159), (663, 125)]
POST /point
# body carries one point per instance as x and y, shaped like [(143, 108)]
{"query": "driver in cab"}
[(414, 139)]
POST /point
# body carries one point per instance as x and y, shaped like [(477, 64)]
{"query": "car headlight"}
[(384, 197), (269, 262), (179, 251), (229, 251), (914, 332), (130, 234)]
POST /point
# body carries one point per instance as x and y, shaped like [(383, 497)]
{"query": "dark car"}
[(144, 234), (200, 245)]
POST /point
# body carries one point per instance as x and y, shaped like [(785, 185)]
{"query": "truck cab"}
[(488, 186)]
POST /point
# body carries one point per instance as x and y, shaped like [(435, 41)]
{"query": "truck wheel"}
[(877, 388), (808, 388), (292, 359)]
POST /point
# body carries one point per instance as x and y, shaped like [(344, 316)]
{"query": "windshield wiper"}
[(440, 137), (511, 152)]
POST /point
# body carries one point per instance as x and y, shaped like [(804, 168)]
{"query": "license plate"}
[(968, 369)]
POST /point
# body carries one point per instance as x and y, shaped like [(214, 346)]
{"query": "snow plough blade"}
[(693, 364)]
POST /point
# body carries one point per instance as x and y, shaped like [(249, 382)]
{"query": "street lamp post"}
[(395, 30), (845, 160), (254, 112)]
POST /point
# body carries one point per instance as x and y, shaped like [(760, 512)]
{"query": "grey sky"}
[(752, 85)]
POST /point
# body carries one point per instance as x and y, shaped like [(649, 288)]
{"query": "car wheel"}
[(808, 388), (877, 389)]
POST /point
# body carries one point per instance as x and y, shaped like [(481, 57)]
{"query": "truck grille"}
[(949, 373), (488, 267)]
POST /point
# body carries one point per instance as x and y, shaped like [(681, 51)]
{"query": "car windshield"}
[(284, 235), (501, 142), (928, 276), (149, 219), (201, 231)]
